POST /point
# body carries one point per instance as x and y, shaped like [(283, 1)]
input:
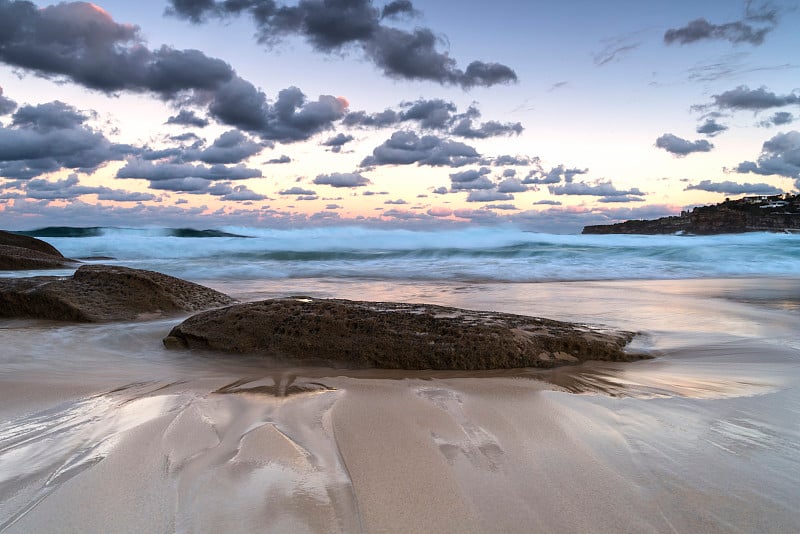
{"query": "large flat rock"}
[(396, 336), (20, 252), (98, 293)]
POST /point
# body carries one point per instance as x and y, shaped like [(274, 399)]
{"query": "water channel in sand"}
[(103, 430)]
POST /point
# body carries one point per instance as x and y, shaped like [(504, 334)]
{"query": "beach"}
[(105, 431)]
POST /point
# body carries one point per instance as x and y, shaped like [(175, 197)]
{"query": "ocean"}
[(102, 429)]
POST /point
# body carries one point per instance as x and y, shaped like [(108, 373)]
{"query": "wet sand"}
[(104, 431)]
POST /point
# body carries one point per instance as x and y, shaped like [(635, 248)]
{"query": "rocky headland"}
[(780, 213), (396, 336)]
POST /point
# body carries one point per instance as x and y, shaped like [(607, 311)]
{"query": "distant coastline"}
[(777, 213)]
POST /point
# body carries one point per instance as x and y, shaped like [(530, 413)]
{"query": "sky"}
[(419, 114)]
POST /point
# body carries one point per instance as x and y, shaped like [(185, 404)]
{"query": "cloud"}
[(81, 42), (48, 137), (547, 203), (439, 211), (6, 104), (469, 175), (335, 26), (780, 156), (70, 188), (486, 129), (398, 202), (337, 142), (230, 147), (508, 160), (744, 98), (297, 191), (438, 115), (279, 160), (615, 48), (406, 148), (156, 172), (733, 188), (482, 183), (620, 199), (342, 179), (488, 196), (711, 128), (242, 193), (187, 118), (291, 118), (682, 147), (511, 185), (752, 29), (398, 7), (778, 119), (182, 185), (502, 207), (553, 176), (601, 189)]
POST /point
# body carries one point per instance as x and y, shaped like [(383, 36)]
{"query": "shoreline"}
[(200, 442)]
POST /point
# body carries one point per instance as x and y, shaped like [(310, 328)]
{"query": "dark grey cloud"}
[(501, 207), (681, 147), (182, 185), (82, 43), (744, 98), (509, 173), (508, 160), (711, 128), (440, 191), (70, 188), (337, 141), (297, 191), (733, 188), (405, 148), (334, 26), (398, 202), (342, 179), (438, 115), (779, 156), (188, 136), (511, 185), (279, 160), (387, 117), (52, 136), (243, 193), (188, 117), (291, 118), (398, 7), (753, 28), (779, 118), (601, 189), (230, 147), (620, 199), (6, 104), (547, 203), (555, 175), (487, 129), (488, 196), (156, 172), (478, 184), (469, 175)]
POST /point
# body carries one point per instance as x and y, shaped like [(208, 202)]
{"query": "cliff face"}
[(726, 218)]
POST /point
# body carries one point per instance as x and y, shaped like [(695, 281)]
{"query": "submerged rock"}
[(396, 336), (98, 293), (21, 252)]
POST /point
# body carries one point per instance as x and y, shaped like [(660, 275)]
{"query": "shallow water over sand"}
[(104, 430)]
